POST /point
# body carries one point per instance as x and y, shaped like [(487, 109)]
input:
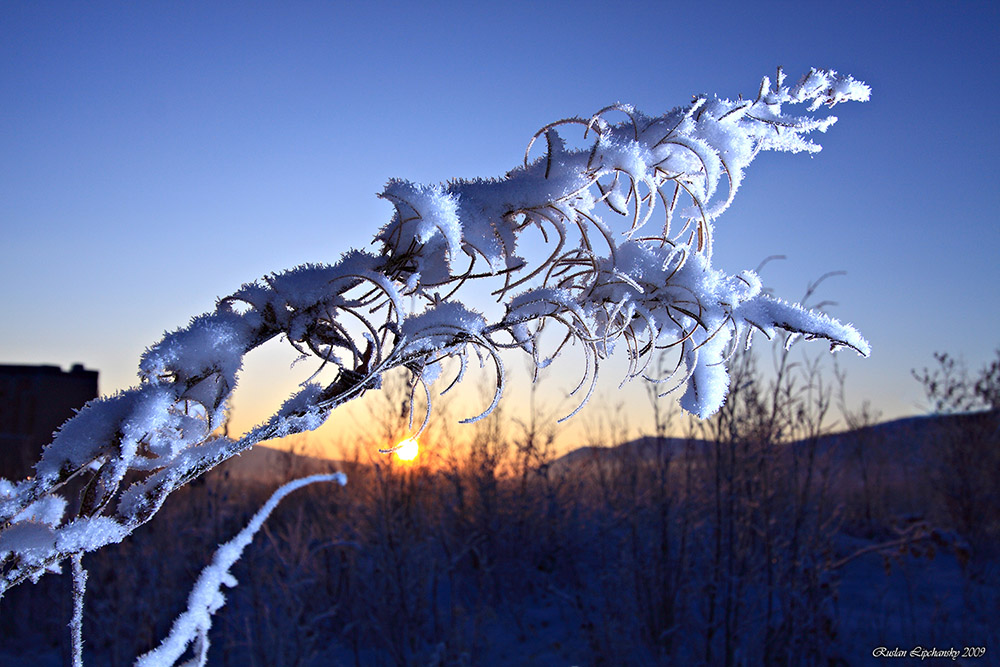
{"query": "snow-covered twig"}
[(192, 626), (76, 624)]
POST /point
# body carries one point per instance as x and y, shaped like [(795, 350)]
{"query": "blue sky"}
[(154, 156)]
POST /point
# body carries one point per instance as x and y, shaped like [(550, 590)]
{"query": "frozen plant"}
[(628, 224)]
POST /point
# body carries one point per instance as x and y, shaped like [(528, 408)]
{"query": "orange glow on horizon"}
[(407, 450)]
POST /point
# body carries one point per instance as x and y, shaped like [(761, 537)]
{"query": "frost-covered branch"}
[(628, 222)]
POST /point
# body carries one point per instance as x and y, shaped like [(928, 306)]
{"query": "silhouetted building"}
[(34, 402)]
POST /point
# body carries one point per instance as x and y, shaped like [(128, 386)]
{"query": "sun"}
[(407, 450)]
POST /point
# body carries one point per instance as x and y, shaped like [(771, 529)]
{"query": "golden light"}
[(407, 450)]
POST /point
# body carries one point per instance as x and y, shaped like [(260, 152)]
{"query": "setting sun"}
[(407, 450)]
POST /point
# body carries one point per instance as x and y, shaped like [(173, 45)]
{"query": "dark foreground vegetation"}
[(760, 538)]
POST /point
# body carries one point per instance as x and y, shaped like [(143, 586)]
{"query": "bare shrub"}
[(964, 452)]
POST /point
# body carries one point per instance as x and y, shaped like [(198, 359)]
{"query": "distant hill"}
[(645, 448), (906, 441), (268, 464)]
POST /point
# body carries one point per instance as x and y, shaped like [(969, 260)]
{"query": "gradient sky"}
[(154, 156)]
